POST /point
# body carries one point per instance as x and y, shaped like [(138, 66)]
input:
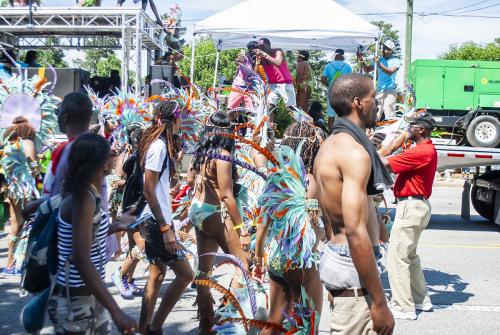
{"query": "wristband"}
[(257, 261), (165, 228), (238, 226)]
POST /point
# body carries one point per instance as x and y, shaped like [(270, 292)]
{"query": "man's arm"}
[(388, 70), (355, 170), (356, 173)]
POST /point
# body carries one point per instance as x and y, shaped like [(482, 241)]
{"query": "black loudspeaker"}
[(164, 72), (68, 80)]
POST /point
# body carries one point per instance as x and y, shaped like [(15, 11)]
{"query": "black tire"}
[(484, 209), (484, 131)]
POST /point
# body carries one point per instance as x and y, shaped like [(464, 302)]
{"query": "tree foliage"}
[(50, 55), (99, 62), (53, 56), (474, 51), (204, 62)]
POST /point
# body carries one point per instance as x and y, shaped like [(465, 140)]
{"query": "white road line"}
[(494, 309)]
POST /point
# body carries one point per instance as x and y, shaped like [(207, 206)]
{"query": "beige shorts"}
[(89, 316), (351, 316), (284, 91), (386, 100)]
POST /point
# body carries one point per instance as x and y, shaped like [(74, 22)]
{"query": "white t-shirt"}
[(155, 157)]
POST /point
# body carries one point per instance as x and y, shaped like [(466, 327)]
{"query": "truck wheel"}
[(484, 131), (484, 209)]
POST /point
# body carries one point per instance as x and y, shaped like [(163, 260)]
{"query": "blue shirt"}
[(336, 66), (4, 73), (387, 82)]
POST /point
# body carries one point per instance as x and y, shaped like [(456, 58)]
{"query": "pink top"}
[(278, 74)]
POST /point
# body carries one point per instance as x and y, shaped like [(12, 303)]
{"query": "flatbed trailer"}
[(484, 189)]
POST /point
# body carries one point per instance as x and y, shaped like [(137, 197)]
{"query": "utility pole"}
[(408, 40)]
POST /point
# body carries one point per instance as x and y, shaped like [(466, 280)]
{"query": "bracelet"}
[(238, 226), (165, 228), (257, 261)]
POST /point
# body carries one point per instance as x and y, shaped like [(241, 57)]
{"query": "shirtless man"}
[(344, 176)]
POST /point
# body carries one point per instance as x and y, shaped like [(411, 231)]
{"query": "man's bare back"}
[(336, 150)]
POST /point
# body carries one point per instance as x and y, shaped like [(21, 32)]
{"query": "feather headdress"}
[(284, 210)]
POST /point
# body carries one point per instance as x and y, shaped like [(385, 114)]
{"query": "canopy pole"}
[(375, 67), (217, 55), (191, 71)]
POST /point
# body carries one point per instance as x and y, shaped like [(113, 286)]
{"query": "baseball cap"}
[(425, 120), (390, 45), (339, 51)]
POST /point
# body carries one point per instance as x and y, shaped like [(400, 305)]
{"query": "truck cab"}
[(463, 96)]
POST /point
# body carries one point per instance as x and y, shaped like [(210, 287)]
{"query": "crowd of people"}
[(292, 219)]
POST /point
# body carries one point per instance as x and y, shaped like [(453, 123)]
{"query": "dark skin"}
[(416, 133), (72, 129), (342, 178), (324, 81), (183, 272), (387, 53), (78, 208)]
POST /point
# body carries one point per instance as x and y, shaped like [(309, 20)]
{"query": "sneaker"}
[(136, 291), (427, 307), (12, 271), (398, 314), (122, 285)]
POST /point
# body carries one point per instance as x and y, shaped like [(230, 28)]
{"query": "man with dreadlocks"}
[(291, 224), (157, 154)]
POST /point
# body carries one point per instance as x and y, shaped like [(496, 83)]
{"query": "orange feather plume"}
[(227, 294), (261, 124), (39, 85), (268, 154), (257, 323)]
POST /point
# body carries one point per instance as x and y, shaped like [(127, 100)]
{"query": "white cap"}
[(389, 44)]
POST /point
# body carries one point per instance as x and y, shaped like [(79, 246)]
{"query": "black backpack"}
[(40, 262), (133, 193)]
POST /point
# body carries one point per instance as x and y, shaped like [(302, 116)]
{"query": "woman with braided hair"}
[(157, 154), (214, 212), (290, 227)]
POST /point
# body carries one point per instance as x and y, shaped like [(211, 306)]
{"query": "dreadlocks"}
[(164, 116), (313, 136)]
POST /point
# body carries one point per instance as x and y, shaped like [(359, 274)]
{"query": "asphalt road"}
[(461, 267)]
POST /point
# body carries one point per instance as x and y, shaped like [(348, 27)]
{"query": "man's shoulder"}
[(342, 147)]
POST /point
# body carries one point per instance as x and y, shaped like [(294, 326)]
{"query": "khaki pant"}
[(386, 100), (403, 264), (351, 316)]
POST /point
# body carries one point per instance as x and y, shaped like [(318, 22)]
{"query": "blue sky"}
[(431, 35)]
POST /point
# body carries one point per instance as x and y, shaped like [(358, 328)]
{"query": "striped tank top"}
[(65, 245)]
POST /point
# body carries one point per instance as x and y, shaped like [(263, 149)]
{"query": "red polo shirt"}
[(416, 168)]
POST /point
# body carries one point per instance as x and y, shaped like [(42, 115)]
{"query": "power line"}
[(477, 9), (474, 16), (475, 4)]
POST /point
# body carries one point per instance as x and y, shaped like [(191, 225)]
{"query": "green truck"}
[(463, 96)]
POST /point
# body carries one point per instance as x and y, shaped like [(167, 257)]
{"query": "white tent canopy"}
[(289, 24)]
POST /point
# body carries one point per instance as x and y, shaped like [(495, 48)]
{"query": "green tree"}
[(204, 62), (474, 51), (51, 55), (99, 62)]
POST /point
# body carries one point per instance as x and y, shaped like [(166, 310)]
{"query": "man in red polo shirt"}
[(415, 168)]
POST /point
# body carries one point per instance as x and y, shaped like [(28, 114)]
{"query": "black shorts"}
[(156, 253)]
